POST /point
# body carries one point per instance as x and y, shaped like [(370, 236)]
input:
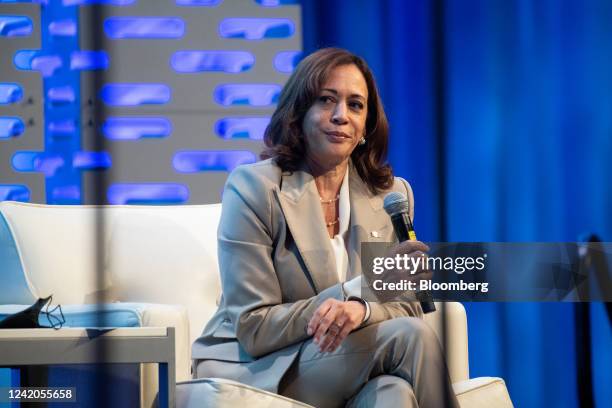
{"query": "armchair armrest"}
[(158, 315), (456, 347)]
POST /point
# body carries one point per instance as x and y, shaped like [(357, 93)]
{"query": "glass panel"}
[(135, 94), (286, 61), (37, 162), (10, 93), (256, 28), (62, 128), (61, 95), (148, 193), (11, 127), (63, 28), (242, 127), (14, 192), (91, 160), (136, 128), (67, 194), (36, 61), (204, 3), (88, 60), (144, 27), (15, 26), (247, 94), (276, 3), (222, 61), (209, 160), (109, 2)]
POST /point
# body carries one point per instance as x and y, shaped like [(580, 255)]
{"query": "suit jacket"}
[(277, 265)]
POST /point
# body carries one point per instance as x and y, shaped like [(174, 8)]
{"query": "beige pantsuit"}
[(277, 267)]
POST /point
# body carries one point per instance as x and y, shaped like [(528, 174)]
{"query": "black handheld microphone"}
[(398, 208)]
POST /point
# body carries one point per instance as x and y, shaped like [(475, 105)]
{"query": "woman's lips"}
[(337, 137)]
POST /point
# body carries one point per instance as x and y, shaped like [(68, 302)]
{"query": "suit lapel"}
[(299, 200), (369, 221)]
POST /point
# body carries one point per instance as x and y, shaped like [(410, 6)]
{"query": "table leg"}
[(31, 376), (164, 388), (15, 382), (167, 385)]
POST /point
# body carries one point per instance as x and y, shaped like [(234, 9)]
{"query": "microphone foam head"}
[(396, 203)]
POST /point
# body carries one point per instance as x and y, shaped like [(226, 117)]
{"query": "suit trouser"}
[(394, 363)]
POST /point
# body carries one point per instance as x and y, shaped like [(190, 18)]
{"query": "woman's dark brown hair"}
[(284, 138)]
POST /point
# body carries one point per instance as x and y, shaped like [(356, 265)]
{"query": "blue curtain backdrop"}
[(501, 118)]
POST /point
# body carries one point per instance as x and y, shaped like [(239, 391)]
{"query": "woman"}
[(289, 246)]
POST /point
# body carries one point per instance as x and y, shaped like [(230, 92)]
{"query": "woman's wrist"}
[(365, 304)]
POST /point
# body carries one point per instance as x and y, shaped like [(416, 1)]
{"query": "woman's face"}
[(336, 121)]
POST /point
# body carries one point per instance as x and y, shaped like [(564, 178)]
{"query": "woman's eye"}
[(356, 105), (325, 99)]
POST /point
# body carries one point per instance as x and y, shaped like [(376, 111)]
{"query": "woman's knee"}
[(409, 338), (399, 334), (410, 329)]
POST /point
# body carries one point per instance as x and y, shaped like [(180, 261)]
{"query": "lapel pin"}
[(375, 234)]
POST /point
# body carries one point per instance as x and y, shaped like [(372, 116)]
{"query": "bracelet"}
[(366, 317)]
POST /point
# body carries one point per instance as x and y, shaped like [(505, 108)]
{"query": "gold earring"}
[(362, 141)]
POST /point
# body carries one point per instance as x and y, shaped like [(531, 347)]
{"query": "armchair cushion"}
[(111, 315), (15, 286), (482, 392), (222, 393)]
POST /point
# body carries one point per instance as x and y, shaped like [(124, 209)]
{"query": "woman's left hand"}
[(333, 321)]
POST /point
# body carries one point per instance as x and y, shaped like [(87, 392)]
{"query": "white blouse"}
[(338, 242)]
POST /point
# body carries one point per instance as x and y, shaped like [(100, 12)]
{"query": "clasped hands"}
[(334, 319)]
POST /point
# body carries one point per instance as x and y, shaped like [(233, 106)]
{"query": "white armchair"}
[(165, 259)]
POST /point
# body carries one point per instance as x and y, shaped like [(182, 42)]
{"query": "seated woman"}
[(289, 251)]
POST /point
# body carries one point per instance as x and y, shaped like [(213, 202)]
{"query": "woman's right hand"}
[(412, 268), (333, 321)]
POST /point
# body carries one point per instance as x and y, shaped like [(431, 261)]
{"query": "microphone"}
[(398, 208)]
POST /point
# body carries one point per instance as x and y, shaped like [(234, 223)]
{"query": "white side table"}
[(23, 347)]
